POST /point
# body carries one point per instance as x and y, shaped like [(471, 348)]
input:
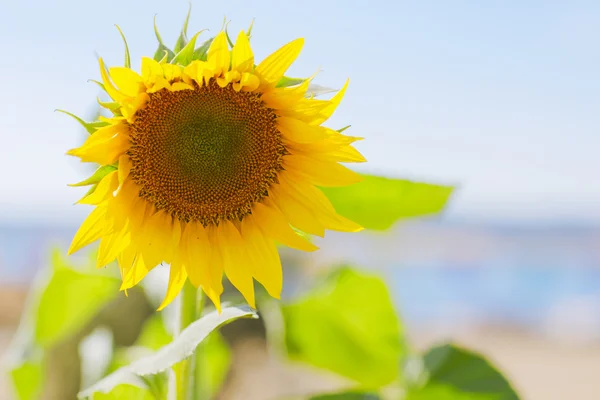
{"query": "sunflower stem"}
[(184, 371)]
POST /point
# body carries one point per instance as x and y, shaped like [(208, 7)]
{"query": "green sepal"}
[(286, 81), (127, 56), (201, 52), (159, 53), (98, 83), (91, 127), (182, 40), (344, 128), (249, 31), (228, 38), (91, 190), (186, 55), (96, 176), (112, 106)]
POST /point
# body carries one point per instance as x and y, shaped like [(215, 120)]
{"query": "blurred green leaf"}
[(378, 202), (213, 359), (167, 356), (154, 334), (69, 301), (348, 396), (286, 81), (96, 176), (128, 392), (467, 372), (349, 326), (444, 392), (27, 380)]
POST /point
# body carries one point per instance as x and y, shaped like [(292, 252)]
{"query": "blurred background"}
[(498, 98)]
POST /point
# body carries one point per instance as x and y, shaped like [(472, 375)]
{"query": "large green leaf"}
[(347, 396), (467, 372), (154, 334), (444, 392), (378, 202), (349, 326), (213, 359), (69, 301), (128, 392), (140, 372), (27, 380)]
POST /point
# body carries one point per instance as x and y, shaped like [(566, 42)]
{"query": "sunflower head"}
[(208, 161)]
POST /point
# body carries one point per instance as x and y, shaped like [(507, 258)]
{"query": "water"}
[(527, 279)]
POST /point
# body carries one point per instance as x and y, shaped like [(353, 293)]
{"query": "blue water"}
[(519, 294), (520, 288)]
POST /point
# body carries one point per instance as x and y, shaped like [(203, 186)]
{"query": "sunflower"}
[(206, 163)]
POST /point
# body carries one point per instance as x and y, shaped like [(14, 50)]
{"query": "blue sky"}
[(500, 97)]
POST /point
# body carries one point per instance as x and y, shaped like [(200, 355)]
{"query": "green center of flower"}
[(206, 154)]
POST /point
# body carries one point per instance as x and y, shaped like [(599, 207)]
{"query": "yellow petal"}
[(326, 151), (248, 83), (235, 260), (124, 168), (171, 71), (334, 102), (298, 216), (242, 58), (108, 86), (92, 229), (151, 71), (320, 173), (300, 132), (177, 278), (201, 269), (274, 225), (263, 258), (272, 68), (111, 246), (103, 191), (156, 238), (104, 149), (218, 54), (313, 199), (135, 274), (127, 80)]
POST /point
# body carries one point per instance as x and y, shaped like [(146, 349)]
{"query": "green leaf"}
[(96, 176), (186, 55), (179, 349), (69, 301), (286, 81), (348, 396), (128, 392), (443, 392), (91, 127), (154, 334), (201, 52), (213, 359), (160, 52), (127, 62), (27, 380), (467, 372), (348, 325), (182, 39), (377, 202)]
